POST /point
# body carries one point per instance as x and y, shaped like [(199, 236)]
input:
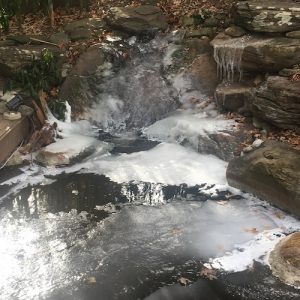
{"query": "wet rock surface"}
[(234, 97), (203, 73), (267, 16), (271, 172), (75, 88), (256, 53), (278, 102), (137, 20), (285, 259)]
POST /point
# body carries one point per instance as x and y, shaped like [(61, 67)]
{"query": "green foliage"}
[(42, 74), (4, 20), (58, 109)]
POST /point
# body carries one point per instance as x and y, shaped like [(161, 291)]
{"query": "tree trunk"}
[(51, 12)]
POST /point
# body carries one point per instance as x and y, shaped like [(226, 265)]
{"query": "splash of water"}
[(138, 94)]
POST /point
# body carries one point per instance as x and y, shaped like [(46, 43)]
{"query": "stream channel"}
[(142, 210)]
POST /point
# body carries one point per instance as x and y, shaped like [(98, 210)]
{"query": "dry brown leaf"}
[(184, 281), (210, 274)]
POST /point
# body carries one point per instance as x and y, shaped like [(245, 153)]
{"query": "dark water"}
[(116, 245)]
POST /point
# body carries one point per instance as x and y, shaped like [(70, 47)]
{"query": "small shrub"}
[(40, 75)]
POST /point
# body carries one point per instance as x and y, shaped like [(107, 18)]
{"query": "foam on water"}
[(187, 126), (166, 163)]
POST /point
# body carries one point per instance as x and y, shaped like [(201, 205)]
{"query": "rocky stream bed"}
[(144, 194)]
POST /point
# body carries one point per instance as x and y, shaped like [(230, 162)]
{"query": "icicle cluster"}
[(228, 56)]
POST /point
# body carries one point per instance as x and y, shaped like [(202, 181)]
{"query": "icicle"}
[(228, 56)]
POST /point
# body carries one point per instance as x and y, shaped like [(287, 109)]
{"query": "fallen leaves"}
[(184, 281), (210, 274)]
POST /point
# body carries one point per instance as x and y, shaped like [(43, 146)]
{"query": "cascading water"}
[(138, 94), (128, 218), (228, 56)]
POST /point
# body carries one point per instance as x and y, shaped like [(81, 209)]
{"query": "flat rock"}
[(65, 151), (285, 259), (137, 20), (59, 38), (233, 97), (256, 52), (80, 34), (89, 23), (235, 31), (267, 16), (271, 172), (204, 31), (278, 102)]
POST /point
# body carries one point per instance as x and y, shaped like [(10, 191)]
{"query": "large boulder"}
[(285, 259), (255, 53), (137, 20), (203, 73), (278, 102), (13, 59), (84, 29), (271, 172), (76, 88), (267, 16)]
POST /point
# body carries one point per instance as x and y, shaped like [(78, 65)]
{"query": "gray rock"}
[(59, 38), (89, 23), (294, 34), (16, 159), (197, 46), (204, 31), (285, 259), (267, 16), (234, 97), (278, 102), (137, 20), (203, 74), (257, 143), (211, 22), (235, 31), (26, 110), (271, 172), (289, 72), (258, 52), (188, 21), (80, 34), (75, 88), (7, 43)]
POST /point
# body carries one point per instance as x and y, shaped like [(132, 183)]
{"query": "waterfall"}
[(228, 56)]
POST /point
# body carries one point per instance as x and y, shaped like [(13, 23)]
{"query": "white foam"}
[(166, 163), (258, 248), (186, 126)]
